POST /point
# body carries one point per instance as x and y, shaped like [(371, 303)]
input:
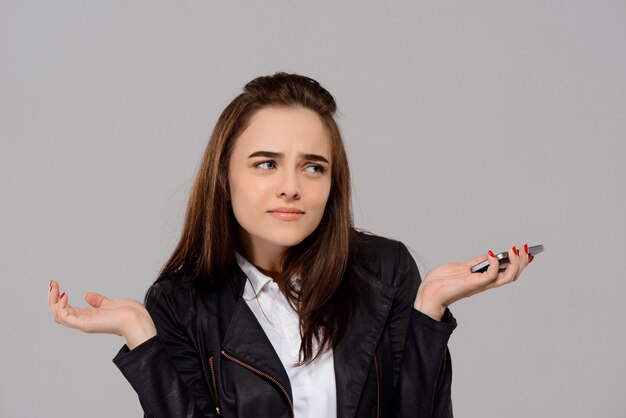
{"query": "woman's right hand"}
[(125, 317)]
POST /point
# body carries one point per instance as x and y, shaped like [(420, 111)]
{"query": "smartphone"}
[(503, 258)]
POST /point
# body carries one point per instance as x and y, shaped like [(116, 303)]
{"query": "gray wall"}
[(470, 125)]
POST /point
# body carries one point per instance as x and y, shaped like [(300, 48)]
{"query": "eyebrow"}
[(271, 154)]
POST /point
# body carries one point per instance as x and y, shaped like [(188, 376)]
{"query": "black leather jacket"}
[(214, 359)]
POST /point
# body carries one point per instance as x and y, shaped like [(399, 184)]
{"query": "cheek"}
[(240, 200), (248, 200), (251, 192), (240, 187), (320, 199)]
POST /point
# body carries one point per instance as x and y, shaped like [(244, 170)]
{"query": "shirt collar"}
[(257, 281)]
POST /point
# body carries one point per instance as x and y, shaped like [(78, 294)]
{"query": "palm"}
[(126, 317), (448, 283), (104, 316), (456, 282)]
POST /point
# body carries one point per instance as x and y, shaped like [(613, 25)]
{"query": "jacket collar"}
[(246, 340), (354, 353)]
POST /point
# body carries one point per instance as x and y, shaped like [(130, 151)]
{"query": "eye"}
[(265, 165), (315, 168)]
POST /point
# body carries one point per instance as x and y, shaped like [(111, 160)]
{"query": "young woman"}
[(272, 304)]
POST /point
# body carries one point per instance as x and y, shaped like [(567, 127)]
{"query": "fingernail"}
[(62, 294), (491, 253), (526, 248), (50, 286), (531, 258), (515, 250)]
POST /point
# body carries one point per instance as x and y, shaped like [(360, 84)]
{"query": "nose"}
[(289, 187)]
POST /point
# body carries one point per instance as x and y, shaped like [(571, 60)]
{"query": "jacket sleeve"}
[(425, 374), (166, 370)]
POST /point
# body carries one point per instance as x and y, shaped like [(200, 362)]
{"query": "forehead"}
[(284, 129)]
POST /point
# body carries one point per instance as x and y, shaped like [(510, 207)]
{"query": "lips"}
[(286, 210), (286, 214)]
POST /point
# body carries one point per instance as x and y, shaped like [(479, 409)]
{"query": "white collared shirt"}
[(312, 385)]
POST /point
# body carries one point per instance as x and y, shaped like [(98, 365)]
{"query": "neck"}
[(266, 258)]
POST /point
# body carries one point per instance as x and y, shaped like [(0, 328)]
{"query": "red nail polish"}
[(526, 248), (515, 250), (491, 253), (531, 258), (50, 286), (62, 294)]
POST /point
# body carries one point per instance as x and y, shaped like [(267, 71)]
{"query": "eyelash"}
[(259, 164), (320, 169)]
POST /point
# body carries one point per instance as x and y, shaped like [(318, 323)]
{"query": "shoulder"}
[(385, 258), (366, 242), (173, 295), (172, 285), (184, 296)]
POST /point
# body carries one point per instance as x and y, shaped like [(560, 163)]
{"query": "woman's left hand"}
[(448, 283)]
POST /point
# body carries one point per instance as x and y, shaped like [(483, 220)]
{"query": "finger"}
[(70, 317), (524, 256), (524, 259), (53, 298), (479, 282), (494, 265), (60, 309), (52, 290), (511, 272), (488, 276), (515, 263), (95, 299), (63, 299), (66, 312)]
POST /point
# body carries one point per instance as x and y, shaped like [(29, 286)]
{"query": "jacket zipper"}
[(377, 373), (265, 375), (214, 383)]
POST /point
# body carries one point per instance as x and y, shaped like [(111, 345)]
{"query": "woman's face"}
[(279, 178)]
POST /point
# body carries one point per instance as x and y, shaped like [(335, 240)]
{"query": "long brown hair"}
[(209, 237)]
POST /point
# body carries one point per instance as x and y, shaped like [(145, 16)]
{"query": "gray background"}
[(470, 125)]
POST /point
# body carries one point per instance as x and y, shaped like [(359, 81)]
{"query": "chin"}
[(288, 240)]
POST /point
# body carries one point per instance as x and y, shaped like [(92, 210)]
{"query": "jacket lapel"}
[(246, 340), (353, 355)]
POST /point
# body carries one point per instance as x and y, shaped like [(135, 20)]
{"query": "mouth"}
[(286, 214), (286, 210)]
